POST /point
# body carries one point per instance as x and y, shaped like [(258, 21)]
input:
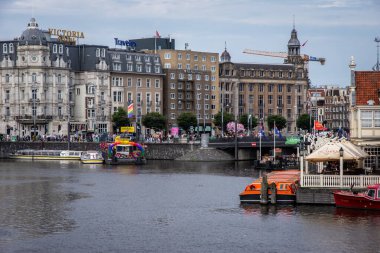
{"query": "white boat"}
[(91, 157), (32, 154)]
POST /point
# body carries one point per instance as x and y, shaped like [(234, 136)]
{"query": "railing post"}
[(301, 167), (321, 180), (361, 181)]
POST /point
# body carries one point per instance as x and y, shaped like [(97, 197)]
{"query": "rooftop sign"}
[(66, 35)]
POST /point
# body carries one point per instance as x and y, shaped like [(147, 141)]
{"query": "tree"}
[(303, 122), (186, 120), (280, 122), (244, 120), (154, 120), (120, 118), (227, 117)]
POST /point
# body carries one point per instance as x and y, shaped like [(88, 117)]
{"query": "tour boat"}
[(286, 185), (369, 200), (33, 154), (123, 151), (91, 157)]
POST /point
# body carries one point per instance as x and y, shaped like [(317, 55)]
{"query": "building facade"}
[(49, 87), (260, 90), (191, 79)]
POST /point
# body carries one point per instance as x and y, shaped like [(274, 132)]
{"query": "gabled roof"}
[(367, 87)]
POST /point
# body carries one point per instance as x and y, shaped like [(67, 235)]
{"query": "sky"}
[(333, 29)]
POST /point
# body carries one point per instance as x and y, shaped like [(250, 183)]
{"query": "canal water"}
[(164, 206)]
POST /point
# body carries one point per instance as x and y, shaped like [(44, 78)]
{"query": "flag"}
[(261, 131), (157, 34), (130, 110), (304, 43), (277, 132), (318, 125)]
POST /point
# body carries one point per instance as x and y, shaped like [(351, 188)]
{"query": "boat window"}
[(371, 193), (281, 186), (378, 194)]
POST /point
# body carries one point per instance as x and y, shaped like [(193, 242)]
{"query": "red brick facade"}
[(367, 87)]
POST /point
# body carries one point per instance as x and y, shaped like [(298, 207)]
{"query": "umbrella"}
[(360, 151), (330, 152)]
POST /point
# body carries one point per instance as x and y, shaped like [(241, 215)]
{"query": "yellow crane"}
[(305, 57)]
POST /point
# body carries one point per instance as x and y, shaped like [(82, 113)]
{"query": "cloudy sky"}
[(334, 29)]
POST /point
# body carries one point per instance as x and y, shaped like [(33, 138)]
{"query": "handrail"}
[(333, 181)]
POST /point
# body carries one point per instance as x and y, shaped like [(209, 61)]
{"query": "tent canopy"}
[(330, 152)]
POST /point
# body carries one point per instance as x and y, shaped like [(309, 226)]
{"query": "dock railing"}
[(333, 181)]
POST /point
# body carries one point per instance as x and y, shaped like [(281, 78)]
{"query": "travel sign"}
[(126, 43)]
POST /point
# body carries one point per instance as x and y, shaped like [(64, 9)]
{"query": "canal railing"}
[(333, 181)]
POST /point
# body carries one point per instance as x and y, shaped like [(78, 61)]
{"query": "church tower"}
[(294, 49)]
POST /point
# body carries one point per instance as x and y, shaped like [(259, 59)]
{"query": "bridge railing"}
[(333, 181)]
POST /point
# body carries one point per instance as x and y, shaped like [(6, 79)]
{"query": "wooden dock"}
[(323, 196)]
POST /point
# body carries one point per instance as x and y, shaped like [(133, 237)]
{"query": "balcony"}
[(31, 100), (29, 119), (101, 118)]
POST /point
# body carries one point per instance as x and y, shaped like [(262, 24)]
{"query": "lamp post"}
[(302, 152), (198, 115), (236, 118), (34, 110), (222, 111), (341, 151), (204, 115), (249, 122)]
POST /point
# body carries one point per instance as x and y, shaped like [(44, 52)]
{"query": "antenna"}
[(376, 67)]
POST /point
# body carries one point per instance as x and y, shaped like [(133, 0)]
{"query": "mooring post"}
[(273, 195), (264, 191)]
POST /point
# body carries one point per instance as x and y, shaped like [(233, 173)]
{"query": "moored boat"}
[(285, 182), (32, 154), (368, 200), (91, 157), (123, 151)]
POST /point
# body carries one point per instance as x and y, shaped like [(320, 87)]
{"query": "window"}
[(59, 78), (288, 100), (90, 89), (172, 95), (167, 56), (198, 77), (203, 57), (78, 91), (279, 87), (7, 78), (188, 66), (213, 59), (213, 78), (172, 75), (34, 77), (376, 118), (261, 87), (54, 48), (116, 66), (5, 48), (60, 50), (172, 86), (157, 69), (167, 66), (157, 83), (139, 82), (180, 76), (270, 99), (190, 76), (148, 68), (366, 118), (117, 96), (179, 65), (103, 52), (117, 81), (148, 83), (270, 87), (59, 94), (147, 58), (179, 56), (172, 106), (10, 48), (137, 58), (203, 67), (129, 66), (289, 88), (207, 78), (213, 68), (195, 67), (195, 57), (128, 57), (188, 57), (139, 67)]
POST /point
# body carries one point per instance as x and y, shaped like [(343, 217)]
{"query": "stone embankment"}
[(154, 151)]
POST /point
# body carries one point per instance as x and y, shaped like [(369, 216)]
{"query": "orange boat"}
[(286, 183)]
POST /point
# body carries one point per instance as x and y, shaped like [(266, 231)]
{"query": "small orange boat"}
[(286, 182)]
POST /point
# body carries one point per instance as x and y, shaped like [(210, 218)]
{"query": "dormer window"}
[(60, 51), (11, 48), (103, 52), (97, 52), (5, 48), (54, 48)]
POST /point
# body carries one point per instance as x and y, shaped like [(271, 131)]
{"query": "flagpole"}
[(155, 44)]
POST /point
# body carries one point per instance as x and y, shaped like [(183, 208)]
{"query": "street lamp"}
[(204, 115), (198, 115), (341, 166), (249, 122), (34, 110)]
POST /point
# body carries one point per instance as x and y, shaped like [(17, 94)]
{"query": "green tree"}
[(303, 122), (154, 120), (186, 120), (120, 118), (280, 122), (227, 117), (244, 120)]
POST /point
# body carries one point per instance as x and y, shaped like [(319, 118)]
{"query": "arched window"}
[(5, 48), (54, 48), (34, 77), (7, 78), (59, 78), (10, 48)]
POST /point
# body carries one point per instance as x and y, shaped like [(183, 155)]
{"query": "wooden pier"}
[(322, 196)]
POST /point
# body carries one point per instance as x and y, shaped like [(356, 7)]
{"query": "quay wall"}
[(154, 151)]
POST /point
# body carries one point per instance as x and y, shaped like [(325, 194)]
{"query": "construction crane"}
[(305, 57)]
